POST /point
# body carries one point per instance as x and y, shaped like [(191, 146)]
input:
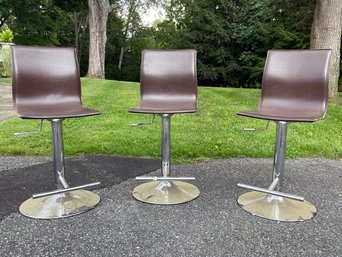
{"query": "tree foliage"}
[(34, 22), (231, 36), (75, 29)]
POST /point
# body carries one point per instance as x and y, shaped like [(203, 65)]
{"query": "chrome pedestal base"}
[(60, 205), (166, 192), (276, 207)]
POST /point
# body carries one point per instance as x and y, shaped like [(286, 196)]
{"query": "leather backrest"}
[(296, 80), (45, 76), (169, 74)]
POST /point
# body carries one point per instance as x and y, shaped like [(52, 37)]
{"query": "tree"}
[(233, 36), (168, 32), (131, 18), (230, 37), (77, 13), (5, 12), (36, 22), (98, 16), (115, 37), (130, 13), (326, 34)]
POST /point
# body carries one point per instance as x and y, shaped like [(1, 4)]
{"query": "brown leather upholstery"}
[(168, 82), (294, 86), (46, 83)]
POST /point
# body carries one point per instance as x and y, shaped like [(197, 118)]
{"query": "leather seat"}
[(294, 89), (46, 85)]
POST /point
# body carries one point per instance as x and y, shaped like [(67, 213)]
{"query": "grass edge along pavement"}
[(215, 131)]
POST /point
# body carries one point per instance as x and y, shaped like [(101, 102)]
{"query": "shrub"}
[(5, 60), (6, 38)]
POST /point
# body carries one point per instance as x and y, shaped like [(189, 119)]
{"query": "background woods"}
[(231, 36)]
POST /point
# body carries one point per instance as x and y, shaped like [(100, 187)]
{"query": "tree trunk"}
[(98, 15), (75, 21), (131, 9), (326, 33), (121, 55), (80, 23)]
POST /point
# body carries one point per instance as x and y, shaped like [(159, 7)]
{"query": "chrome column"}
[(65, 201), (58, 153), (165, 189), (165, 138), (271, 203), (279, 154)]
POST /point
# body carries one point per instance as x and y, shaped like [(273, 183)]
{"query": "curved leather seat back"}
[(168, 81), (296, 81), (46, 82), (294, 86)]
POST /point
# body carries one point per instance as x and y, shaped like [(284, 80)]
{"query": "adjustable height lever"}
[(257, 129), (31, 132), (145, 124)]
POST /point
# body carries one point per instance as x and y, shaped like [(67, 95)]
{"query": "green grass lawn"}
[(214, 132)]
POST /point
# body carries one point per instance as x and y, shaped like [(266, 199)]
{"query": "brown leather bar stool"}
[(46, 85), (168, 82), (294, 89)]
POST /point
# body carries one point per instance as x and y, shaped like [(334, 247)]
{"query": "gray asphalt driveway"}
[(211, 225)]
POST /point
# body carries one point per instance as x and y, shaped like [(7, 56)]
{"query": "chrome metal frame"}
[(271, 203), (31, 132), (165, 189), (165, 154), (145, 123), (258, 129), (65, 201)]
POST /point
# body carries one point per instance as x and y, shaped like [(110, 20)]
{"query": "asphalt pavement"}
[(211, 225)]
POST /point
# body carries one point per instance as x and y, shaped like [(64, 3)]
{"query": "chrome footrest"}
[(276, 208), (165, 178), (272, 192), (64, 190)]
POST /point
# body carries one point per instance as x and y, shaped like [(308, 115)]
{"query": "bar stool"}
[(294, 89), (46, 85), (168, 82)]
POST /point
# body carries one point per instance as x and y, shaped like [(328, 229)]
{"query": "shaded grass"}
[(214, 132)]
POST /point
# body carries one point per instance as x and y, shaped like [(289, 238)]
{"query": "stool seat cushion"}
[(170, 105), (53, 112), (284, 115)]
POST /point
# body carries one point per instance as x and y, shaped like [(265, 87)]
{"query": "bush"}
[(5, 60), (6, 38)]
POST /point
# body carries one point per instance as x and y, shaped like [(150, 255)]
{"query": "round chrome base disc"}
[(165, 192), (276, 207), (60, 205)]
